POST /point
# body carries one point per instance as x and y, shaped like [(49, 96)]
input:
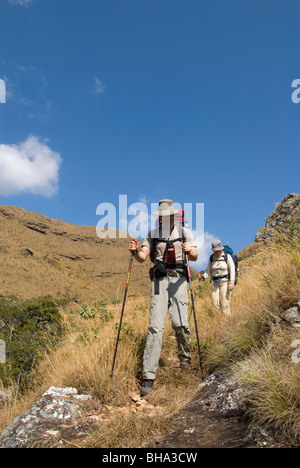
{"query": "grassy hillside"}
[(254, 344), (43, 256)]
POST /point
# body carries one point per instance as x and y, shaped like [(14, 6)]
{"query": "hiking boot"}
[(147, 387), (185, 363)]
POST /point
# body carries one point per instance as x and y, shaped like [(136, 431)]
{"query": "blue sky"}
[(181, 99)]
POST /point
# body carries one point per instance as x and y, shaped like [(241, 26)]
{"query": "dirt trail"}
[(198, 429), (215, 418)]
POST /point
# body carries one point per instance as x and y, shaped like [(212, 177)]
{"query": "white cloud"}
[(29, 167), (20, 2), (99, 88), (203, 242)]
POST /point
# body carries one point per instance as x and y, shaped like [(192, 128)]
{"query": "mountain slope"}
[(41, 256)]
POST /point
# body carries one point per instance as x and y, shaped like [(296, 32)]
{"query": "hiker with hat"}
[(166, 245), (221, 269)]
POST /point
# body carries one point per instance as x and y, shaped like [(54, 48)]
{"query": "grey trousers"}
[(173, 295)]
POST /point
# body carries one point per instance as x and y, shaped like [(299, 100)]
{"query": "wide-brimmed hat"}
[(217, 245), (165, 208)]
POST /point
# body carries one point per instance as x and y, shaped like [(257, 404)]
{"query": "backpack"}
[(159, 267), (228, 251)]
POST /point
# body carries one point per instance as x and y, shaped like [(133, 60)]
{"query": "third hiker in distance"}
[(221, 269)]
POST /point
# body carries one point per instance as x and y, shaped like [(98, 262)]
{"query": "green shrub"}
[(98, 310), (29, 329)]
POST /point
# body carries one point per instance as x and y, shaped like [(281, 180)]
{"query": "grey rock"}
[(278, 221), (54, 418), (223, 395), (292, 315)]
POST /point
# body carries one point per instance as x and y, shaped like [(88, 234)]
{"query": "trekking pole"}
[(121, 318), (194, 312)]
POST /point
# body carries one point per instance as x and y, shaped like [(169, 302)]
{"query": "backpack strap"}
[(235, 261), (156, 240), (225, 259), (178, 266)]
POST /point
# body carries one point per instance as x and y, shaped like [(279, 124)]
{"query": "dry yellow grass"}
[(84, 361), (253, 344), (267, 287), (273, 383)]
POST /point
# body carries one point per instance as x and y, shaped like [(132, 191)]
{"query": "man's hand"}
[(133, 246), (231, 287), (141, 254), (186, 248), (191, 252)]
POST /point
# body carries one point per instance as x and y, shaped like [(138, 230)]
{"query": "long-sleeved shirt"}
[(218, 268)]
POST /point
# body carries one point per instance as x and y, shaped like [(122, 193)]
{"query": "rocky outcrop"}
[(285, 219), (223, 395), (214, 418), (63, 418), (51, 422), (292, 315)]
